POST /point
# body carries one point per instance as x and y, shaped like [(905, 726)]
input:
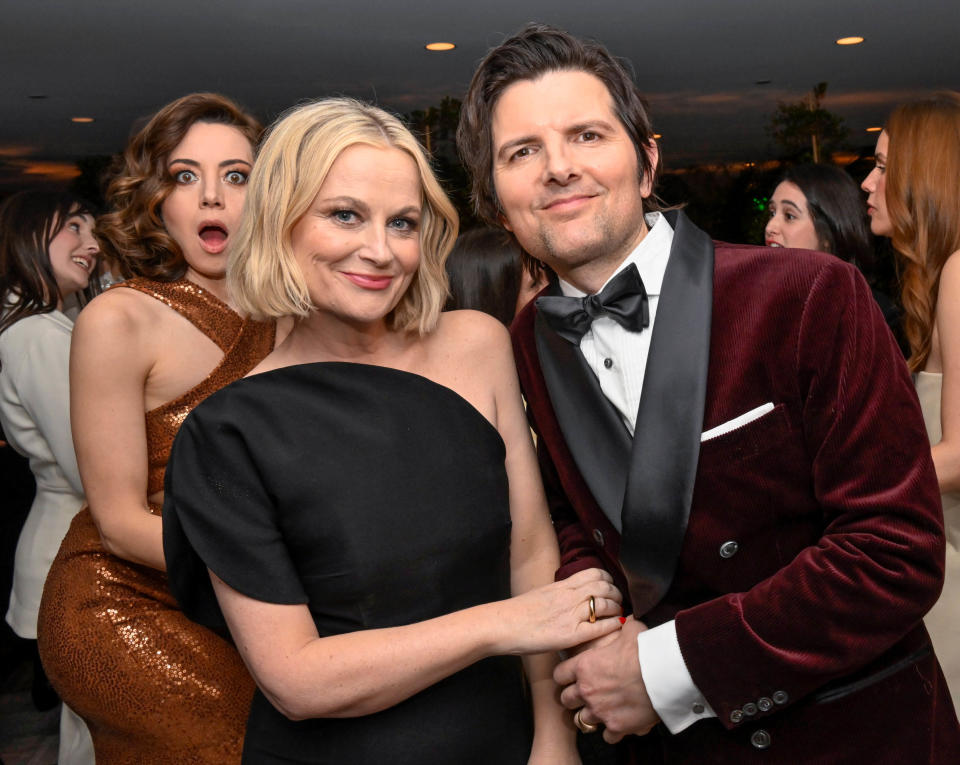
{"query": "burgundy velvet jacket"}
[(797, 553)]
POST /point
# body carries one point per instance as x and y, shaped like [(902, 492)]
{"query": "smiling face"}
[(209, 168), (791, 224), (875, 184), (565, 174), (73, 254), (358, 244)]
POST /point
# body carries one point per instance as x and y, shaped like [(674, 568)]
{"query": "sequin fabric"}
[(152, 686)]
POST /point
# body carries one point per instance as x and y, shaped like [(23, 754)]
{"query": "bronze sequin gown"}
[(152, 686)]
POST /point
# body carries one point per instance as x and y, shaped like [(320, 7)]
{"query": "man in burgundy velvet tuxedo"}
[(768, 502)]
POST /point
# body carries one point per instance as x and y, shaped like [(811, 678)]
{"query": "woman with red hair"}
[(914, 198)]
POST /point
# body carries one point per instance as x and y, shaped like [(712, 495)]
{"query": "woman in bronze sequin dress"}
[(151, 685)]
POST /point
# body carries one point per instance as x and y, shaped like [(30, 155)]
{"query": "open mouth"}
[(85, 263), (213, 237)]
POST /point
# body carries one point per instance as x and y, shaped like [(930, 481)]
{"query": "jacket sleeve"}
[(877, 565)]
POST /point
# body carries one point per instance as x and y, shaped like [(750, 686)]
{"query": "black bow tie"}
[(624, 300)]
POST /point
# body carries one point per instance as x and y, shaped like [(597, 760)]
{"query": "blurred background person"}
[(489, 272), (914, 198), (47, 255), (152, 685), (820, 207)]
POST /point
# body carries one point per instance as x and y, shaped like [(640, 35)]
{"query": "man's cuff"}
[(669, 685)]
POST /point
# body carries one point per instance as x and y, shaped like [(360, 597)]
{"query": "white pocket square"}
[(737, 422)]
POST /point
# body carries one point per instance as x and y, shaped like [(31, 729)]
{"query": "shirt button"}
[(780, 697), (764, 704), (736, 716), (750, 709), (598, 537), (729, 549), (697, 708), (760, 739), (608, 362)]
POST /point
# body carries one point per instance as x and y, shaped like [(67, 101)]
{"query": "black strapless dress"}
[(376, 497)]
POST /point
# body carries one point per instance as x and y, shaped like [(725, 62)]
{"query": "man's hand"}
[(607, 683)]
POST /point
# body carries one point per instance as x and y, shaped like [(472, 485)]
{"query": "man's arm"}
[(847, 597)]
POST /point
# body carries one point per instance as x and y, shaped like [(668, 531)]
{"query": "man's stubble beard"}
[(607, 244)]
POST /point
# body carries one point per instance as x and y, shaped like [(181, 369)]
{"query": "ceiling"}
[(698, 62)]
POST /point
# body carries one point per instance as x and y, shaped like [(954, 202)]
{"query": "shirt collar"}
[(651, 257)]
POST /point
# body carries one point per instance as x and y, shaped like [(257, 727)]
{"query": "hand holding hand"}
[(606, 681), (557, 615)]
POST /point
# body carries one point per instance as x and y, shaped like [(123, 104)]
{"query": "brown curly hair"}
[(132, 234), (923, 202)]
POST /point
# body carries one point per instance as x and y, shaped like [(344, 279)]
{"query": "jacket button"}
[(760, 739), (598, 537), (764, 704), (736, 716), (729, 549), (780, 697), (750, 709), (697, 708)]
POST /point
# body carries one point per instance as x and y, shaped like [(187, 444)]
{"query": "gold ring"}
[(592, 603), (582, 725)]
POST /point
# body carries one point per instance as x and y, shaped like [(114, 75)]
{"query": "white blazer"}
[(35, 412)]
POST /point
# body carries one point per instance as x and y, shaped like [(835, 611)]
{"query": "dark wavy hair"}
[(534, 51), (485, 269), (132, 234), (29, 222), (839, 215)]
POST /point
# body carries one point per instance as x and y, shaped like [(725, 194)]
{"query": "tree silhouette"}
[(804, 130)]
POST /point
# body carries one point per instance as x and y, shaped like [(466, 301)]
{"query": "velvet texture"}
[(833, 503)]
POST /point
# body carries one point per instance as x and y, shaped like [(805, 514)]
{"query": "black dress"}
[(376, 497)]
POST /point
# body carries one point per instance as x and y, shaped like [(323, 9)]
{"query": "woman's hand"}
[(557, 615)]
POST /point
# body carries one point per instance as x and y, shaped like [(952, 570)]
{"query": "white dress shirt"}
[(618, 358)]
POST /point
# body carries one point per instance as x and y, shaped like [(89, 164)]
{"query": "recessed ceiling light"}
[(657, 136), (81, 119), (440, 46), (874, 129), (849, 41)]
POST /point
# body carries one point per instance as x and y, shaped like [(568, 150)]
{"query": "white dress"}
[(35, 413), (943, 621)]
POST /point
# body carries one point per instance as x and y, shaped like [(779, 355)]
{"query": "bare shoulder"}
[(950, 275), (472, 332), (120, 323)]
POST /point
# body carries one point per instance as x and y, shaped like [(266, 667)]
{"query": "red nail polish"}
[(623, 620)]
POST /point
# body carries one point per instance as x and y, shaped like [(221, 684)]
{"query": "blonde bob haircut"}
[(298, 152)]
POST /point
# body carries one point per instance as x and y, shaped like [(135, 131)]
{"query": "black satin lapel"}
[(666, 442), (591, 426)]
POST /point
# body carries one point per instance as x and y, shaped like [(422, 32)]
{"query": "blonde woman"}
[(362, 507)]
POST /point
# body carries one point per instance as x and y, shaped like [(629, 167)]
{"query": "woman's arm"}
[(111, 355), (534, 553), (946, 454), (359, 673)]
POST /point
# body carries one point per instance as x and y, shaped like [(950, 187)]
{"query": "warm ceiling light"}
[(849, 41), (440, 46), (874, 129), (657, 136), (81, 119)]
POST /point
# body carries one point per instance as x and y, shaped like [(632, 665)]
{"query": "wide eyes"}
[(233, 177), (184, 177)]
